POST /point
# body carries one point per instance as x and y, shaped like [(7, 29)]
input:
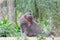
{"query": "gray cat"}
[(28, 26)]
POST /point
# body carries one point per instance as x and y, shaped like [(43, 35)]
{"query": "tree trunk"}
[(11, 10), (1, 13)]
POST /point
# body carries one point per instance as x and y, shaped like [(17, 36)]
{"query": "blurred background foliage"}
[(9, 29)]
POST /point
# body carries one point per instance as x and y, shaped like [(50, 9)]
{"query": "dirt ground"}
[(29, 38)]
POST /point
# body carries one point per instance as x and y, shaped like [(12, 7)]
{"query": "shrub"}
[(9, 29)]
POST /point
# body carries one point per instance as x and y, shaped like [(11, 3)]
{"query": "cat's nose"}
[(30, 17)]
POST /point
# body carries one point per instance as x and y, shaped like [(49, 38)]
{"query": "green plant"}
[(9, 29)]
